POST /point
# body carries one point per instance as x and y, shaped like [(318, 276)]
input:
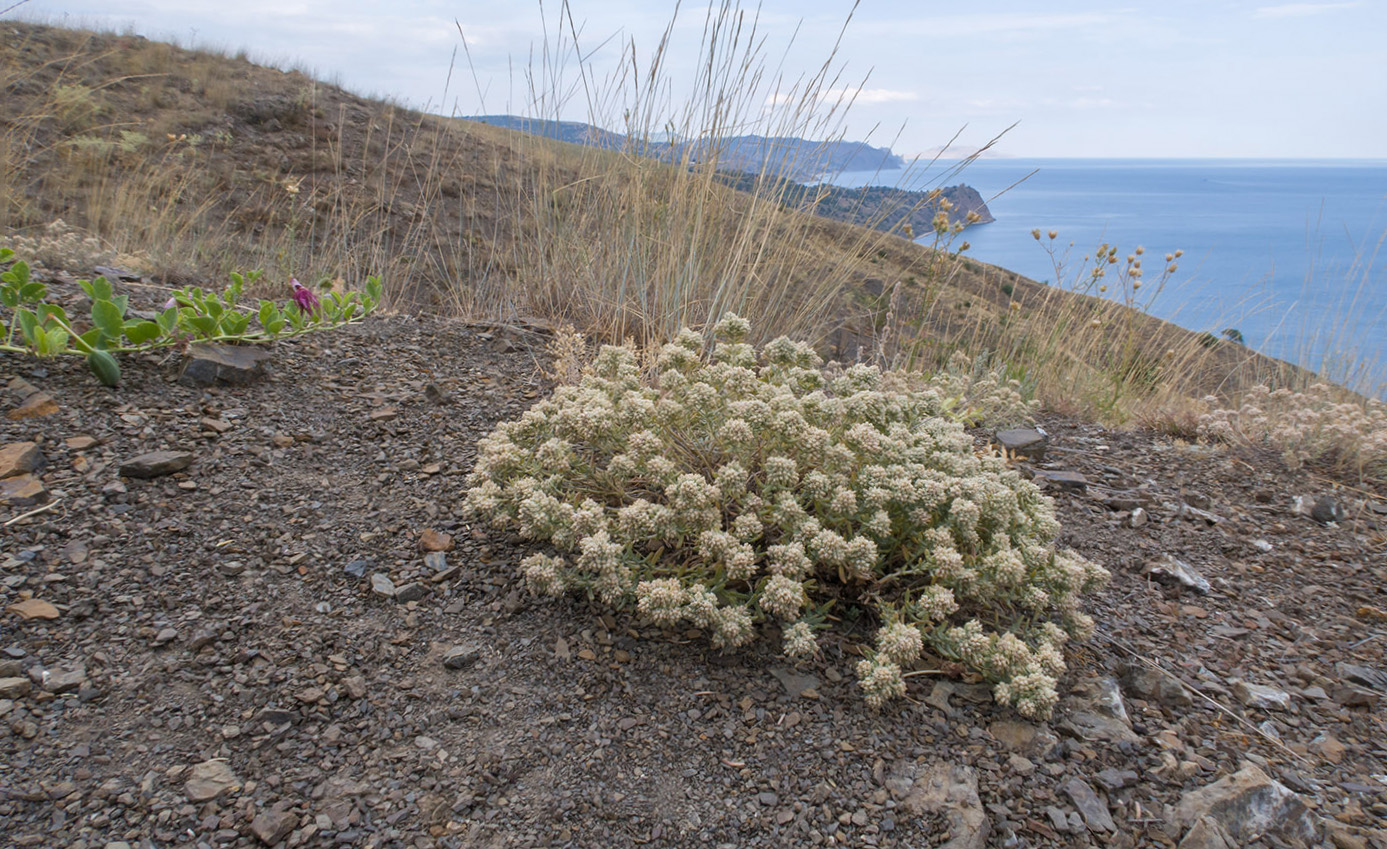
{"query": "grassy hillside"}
[(184, 165)]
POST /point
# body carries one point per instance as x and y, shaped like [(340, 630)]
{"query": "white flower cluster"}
[(758, 486), (1316, 425)]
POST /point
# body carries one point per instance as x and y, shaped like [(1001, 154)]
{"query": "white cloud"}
[(858, 97), (1300, 10)]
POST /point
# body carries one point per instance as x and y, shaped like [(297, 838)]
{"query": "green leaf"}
[(235, 323), (31, 292), (168, 320), (268, 312), (98, 290), (105, 367), (204, 325), (107, 316), (122, 302), (18, 273), (54, 342), (5, 254), (213, 307), (93, 338), (28, 325), (140, 332), (275, 325), (47, 311), (373, 288)]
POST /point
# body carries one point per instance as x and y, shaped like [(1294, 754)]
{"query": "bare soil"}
[(227, 613)]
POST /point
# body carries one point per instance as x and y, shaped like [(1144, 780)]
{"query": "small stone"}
[(437, 561), (36, 406), (156, 464), (357, 568), (1260, 697), (431, 540), (1329, 748), (794, 683), (210, 364), (271, 827), (209, 780), (1024, 442), (165, 636), (1116, 779), (1020, 764), (1327, 509), (1246, 806), (14, 688), (384, 414), (310, 696), (215, 425), (22, 491), (20, 458), (1156, 685), (64, 680), (461, 657), (411, 592), (1139, 518), (768, 799), (1094, 810), (81, 443), (382, 585), (1064, 481), (1173, 571), (355, 687), (34, 609)]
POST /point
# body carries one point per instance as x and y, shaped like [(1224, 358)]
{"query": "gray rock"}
[(1328, 509), (1139, 518), (1115, 779), (156, 464), (1095, 711), (1206, 834), (222, 364), (436, 561), (411, 592), (1024, 442), (1260, 697), (1156, 685), (461, 657), (1169, 570), (1241, 807), (793, 682), (950, 790), (382, 585), (1093, 809), (357, 568), (22, 491), (64, 680), (1059, 820), (209, 780), (1062, 480)]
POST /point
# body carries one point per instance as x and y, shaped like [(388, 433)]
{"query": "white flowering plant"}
[(749, 487), (1318, 425)]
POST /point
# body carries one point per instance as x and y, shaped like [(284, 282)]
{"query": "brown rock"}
[(36, 406), (34, 609), (431, 540), (20, 458), (22, 491), (210, 779), (271, 827), (81, 443), (156, 464)]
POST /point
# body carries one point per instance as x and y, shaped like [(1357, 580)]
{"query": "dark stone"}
[(217, 363), (1024, 442), (461, 657), (1094, 810), (357, 568), (1066, 481), (1328, 509), (156, 464)]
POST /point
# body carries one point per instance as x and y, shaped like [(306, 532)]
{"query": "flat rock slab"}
[(1064, 481), (950, 790), (1023, 442), (210, 779), (156, 464), (223, 364)]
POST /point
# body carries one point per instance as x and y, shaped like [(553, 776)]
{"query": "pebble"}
[(382, 585)]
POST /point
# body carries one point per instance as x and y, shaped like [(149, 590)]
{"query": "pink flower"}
[(303, 296), (170, 303)]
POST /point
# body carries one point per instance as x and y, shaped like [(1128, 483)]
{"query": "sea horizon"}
[(1289, 252)]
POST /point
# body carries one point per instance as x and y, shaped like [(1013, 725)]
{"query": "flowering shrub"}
[(1309, 426), (751, 488)]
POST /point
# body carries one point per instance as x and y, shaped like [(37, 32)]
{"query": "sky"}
[(1151, 78)]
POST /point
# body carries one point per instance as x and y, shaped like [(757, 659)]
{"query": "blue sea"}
[(1290, 253)]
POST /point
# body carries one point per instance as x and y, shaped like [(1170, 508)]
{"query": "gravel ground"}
[(299, 640)]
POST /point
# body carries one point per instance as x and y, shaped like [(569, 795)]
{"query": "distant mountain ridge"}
[(794, 158), (743, 159)]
